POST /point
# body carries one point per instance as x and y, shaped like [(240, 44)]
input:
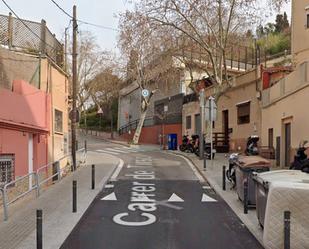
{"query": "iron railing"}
[(17, 189), (30, 37), (133, 125)]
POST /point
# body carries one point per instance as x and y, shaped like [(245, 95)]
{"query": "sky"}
[(102, 12)]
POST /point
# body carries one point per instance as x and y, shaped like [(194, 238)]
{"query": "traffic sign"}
[(211, 110), (100, 111), (145, 93), (71, 115)]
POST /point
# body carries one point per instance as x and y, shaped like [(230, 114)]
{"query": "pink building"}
[(24, 130)]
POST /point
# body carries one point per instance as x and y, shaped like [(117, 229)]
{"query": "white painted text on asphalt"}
[(142, 201)]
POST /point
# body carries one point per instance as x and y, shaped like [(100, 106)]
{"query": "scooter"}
[(301, 161), (252, 146), (207, 149), (186, 145), (231, 171)]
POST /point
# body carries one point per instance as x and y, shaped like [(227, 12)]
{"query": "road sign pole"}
[(201, 139), (211, 120)]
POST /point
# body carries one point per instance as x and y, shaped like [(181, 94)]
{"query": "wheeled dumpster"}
[(245, 167), (264, 180), (286, 222)]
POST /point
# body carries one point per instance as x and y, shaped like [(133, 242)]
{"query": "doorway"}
[(225, 124), (287, 144), (197, 124)]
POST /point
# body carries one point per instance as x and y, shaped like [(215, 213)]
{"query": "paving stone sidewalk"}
[(213, 174), (56, 202)]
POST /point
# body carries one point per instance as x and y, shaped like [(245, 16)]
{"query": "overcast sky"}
[(103, 12)]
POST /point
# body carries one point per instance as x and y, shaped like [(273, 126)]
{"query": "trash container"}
[(263, 181), (172, 142), (246, 165)]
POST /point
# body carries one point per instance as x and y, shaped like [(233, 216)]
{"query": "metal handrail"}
[(37, 183), (6, 202)]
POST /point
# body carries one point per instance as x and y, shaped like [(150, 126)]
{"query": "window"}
[(6, 168), (243, 113), (58, 121), (188, 122)]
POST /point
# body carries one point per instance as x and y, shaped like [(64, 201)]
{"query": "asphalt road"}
[(157, 202)]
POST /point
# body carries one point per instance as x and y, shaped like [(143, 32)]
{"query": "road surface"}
[(157, 202)]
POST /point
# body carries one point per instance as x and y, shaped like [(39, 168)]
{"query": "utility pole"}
[(202, 116), (66, 50), (74, 88)]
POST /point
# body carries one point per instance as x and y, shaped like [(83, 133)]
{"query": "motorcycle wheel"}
[(182, 148)]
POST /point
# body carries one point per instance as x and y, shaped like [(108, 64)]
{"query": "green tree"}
[(282, 23)]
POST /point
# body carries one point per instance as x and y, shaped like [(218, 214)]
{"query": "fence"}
[(133, 125), (43, 176), (29, 36)]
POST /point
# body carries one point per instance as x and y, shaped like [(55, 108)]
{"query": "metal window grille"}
[(6, 168)]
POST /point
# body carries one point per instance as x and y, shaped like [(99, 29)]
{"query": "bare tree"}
[(148, 58), (90, 62)]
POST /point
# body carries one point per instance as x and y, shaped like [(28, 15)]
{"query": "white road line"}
[(197, 174), (107, 152), (117, 171), (109, 186), (207, 187), (117, 151)]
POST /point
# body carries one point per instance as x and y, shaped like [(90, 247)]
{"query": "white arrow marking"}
[(207, 198), (175, 198), (110, 197)]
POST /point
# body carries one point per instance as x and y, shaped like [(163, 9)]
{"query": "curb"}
[(218, 190), (196, 167)]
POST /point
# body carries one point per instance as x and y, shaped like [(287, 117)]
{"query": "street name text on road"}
[(142, 196)]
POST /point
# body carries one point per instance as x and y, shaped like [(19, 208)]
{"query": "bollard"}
[(92, 176), (245, 196), (74, 196), (39, 229), (287, 222), (85, 144), (204, 162), (223, 178)]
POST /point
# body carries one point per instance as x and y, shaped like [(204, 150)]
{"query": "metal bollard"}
[(92, 176), (205, 163), (246, 196), (39, 229), (287, 232), (85, 144), (74, 196), (223, 178)]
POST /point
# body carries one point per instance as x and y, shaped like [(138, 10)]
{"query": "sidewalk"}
[(213, 175), (56, 202)]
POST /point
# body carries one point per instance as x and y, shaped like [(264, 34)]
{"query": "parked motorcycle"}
[(207, 148), (231, 171), (186, 145), (301, 161), (252, 146)]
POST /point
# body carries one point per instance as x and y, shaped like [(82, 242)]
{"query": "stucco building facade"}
[(33, 111), (284, 119)]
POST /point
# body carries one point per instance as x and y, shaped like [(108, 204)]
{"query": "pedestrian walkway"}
[(56, 203), (115, 151), (213, 174)]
